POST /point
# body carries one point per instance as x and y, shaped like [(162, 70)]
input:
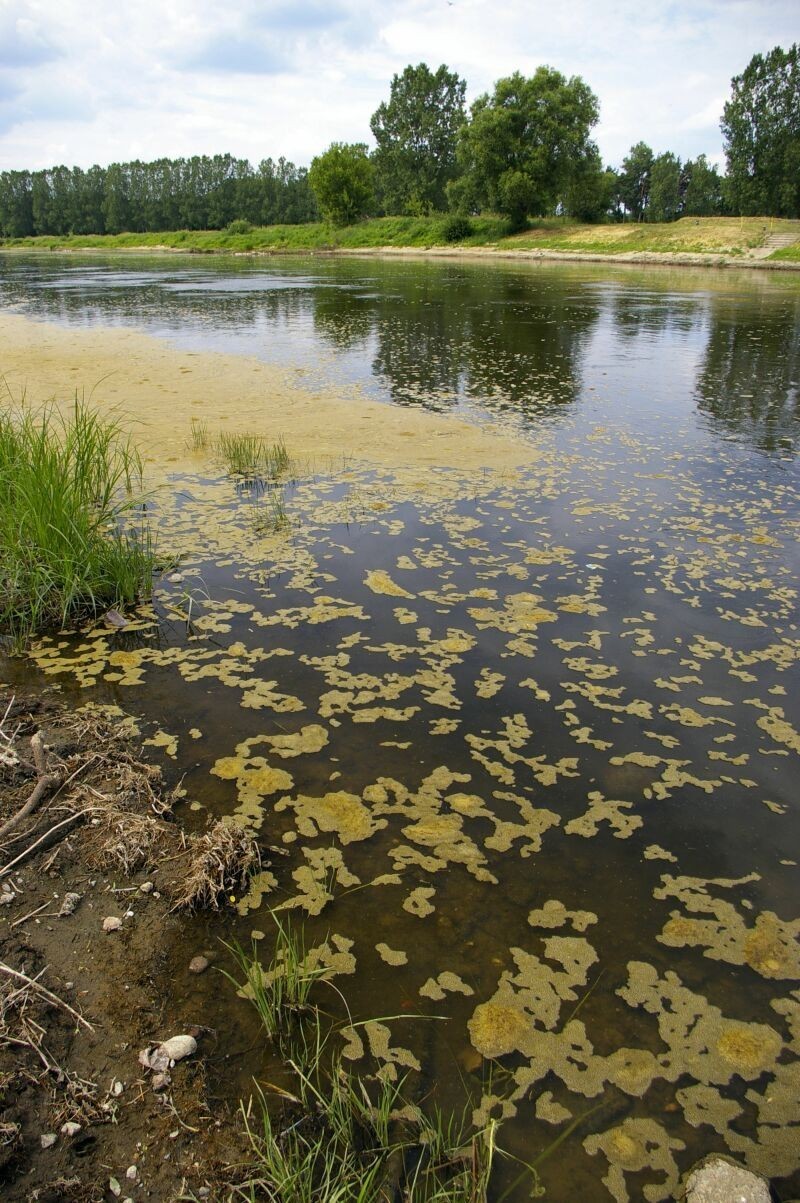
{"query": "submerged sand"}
[(160, 388)]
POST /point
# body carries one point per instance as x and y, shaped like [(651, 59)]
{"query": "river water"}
[(527, 741)]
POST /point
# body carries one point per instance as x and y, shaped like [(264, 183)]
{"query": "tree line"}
[(206, 192), (524, 150)]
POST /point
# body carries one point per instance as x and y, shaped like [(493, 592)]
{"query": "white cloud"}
[(86, 83)]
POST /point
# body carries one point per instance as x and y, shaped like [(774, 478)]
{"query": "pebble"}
[(131, 1173), (203, 1192), (48, 1139), (114, 1187), (199, 964), (6, 897), (146, 887), (117, 1088), (70, 1129), (112, 923), (160, 1081), (718, 1180), (178, 1047), (68, 905)]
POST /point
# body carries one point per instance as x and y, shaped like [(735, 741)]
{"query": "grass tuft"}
[(252, 456), (345, 1137), (74, 533)]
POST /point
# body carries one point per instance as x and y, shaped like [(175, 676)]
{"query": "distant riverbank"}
[(713, 241)]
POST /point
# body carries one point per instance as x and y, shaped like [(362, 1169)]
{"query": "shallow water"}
[(529, 742)]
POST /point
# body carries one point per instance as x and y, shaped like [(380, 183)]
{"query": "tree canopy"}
[(342, 180), (416, 132), (761, 131), (524, 142)]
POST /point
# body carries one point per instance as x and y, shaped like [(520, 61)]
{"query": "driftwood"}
[(46, 783)]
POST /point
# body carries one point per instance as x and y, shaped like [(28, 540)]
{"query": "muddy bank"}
[(95, 969)]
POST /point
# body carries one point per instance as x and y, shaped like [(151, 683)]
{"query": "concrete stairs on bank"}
[(773, 242)]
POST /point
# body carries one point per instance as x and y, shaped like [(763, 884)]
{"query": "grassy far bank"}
[(732, 236)]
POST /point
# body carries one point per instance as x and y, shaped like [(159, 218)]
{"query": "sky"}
[(84, 83)]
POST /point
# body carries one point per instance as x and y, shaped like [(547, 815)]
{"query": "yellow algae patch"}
[(259, 885), (306, 741), (161, 739), (489, 683), (158, 385), (446, 983), (634, 1146), (521, 612), (419, 903), (778, 729), (255, 780), (549, 1110), (603, 810), (392, 956), (379, 581), (554, 914), (341, 813), (748, 1048), (770, 946), (496, 1030)]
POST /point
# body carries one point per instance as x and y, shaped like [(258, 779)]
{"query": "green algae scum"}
[(523, 726)]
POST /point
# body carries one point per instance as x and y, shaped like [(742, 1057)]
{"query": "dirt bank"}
[(94, 970)]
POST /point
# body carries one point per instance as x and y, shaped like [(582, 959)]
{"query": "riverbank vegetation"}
[(524, 151), (74, 532), (709, 236)]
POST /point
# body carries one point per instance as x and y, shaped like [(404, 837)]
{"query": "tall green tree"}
[(703, 191), (342, 180), (590, 192), (761, 132), (634, 180), (523, 143), (416, 132), (665, 188)]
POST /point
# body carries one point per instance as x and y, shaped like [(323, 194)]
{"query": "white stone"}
[(178, 1047), (111, 923), (718, 1180), (48, 1139)]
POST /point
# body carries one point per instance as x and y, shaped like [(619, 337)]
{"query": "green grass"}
[(74, 536), (252, 456), (730, 236), (342, 1136), (788, 254)]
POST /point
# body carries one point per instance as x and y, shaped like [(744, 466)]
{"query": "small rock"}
[(114, 1187), (178, 1047), (68, 905), (146, 887), (160, 1081), (48, 1139), (117, 1088), (131, 1173), (203, 1192), (718, 1180), (70, 1128), (199, 964), (112, 923)]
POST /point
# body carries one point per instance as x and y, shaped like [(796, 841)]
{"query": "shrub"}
[(456, 228), (239, 226)]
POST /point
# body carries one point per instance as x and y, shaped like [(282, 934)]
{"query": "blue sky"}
[(92, 82)]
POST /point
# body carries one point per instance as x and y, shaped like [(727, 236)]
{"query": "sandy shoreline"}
[(623, 259)]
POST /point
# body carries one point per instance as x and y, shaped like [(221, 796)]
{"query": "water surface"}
[(529, 743)]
